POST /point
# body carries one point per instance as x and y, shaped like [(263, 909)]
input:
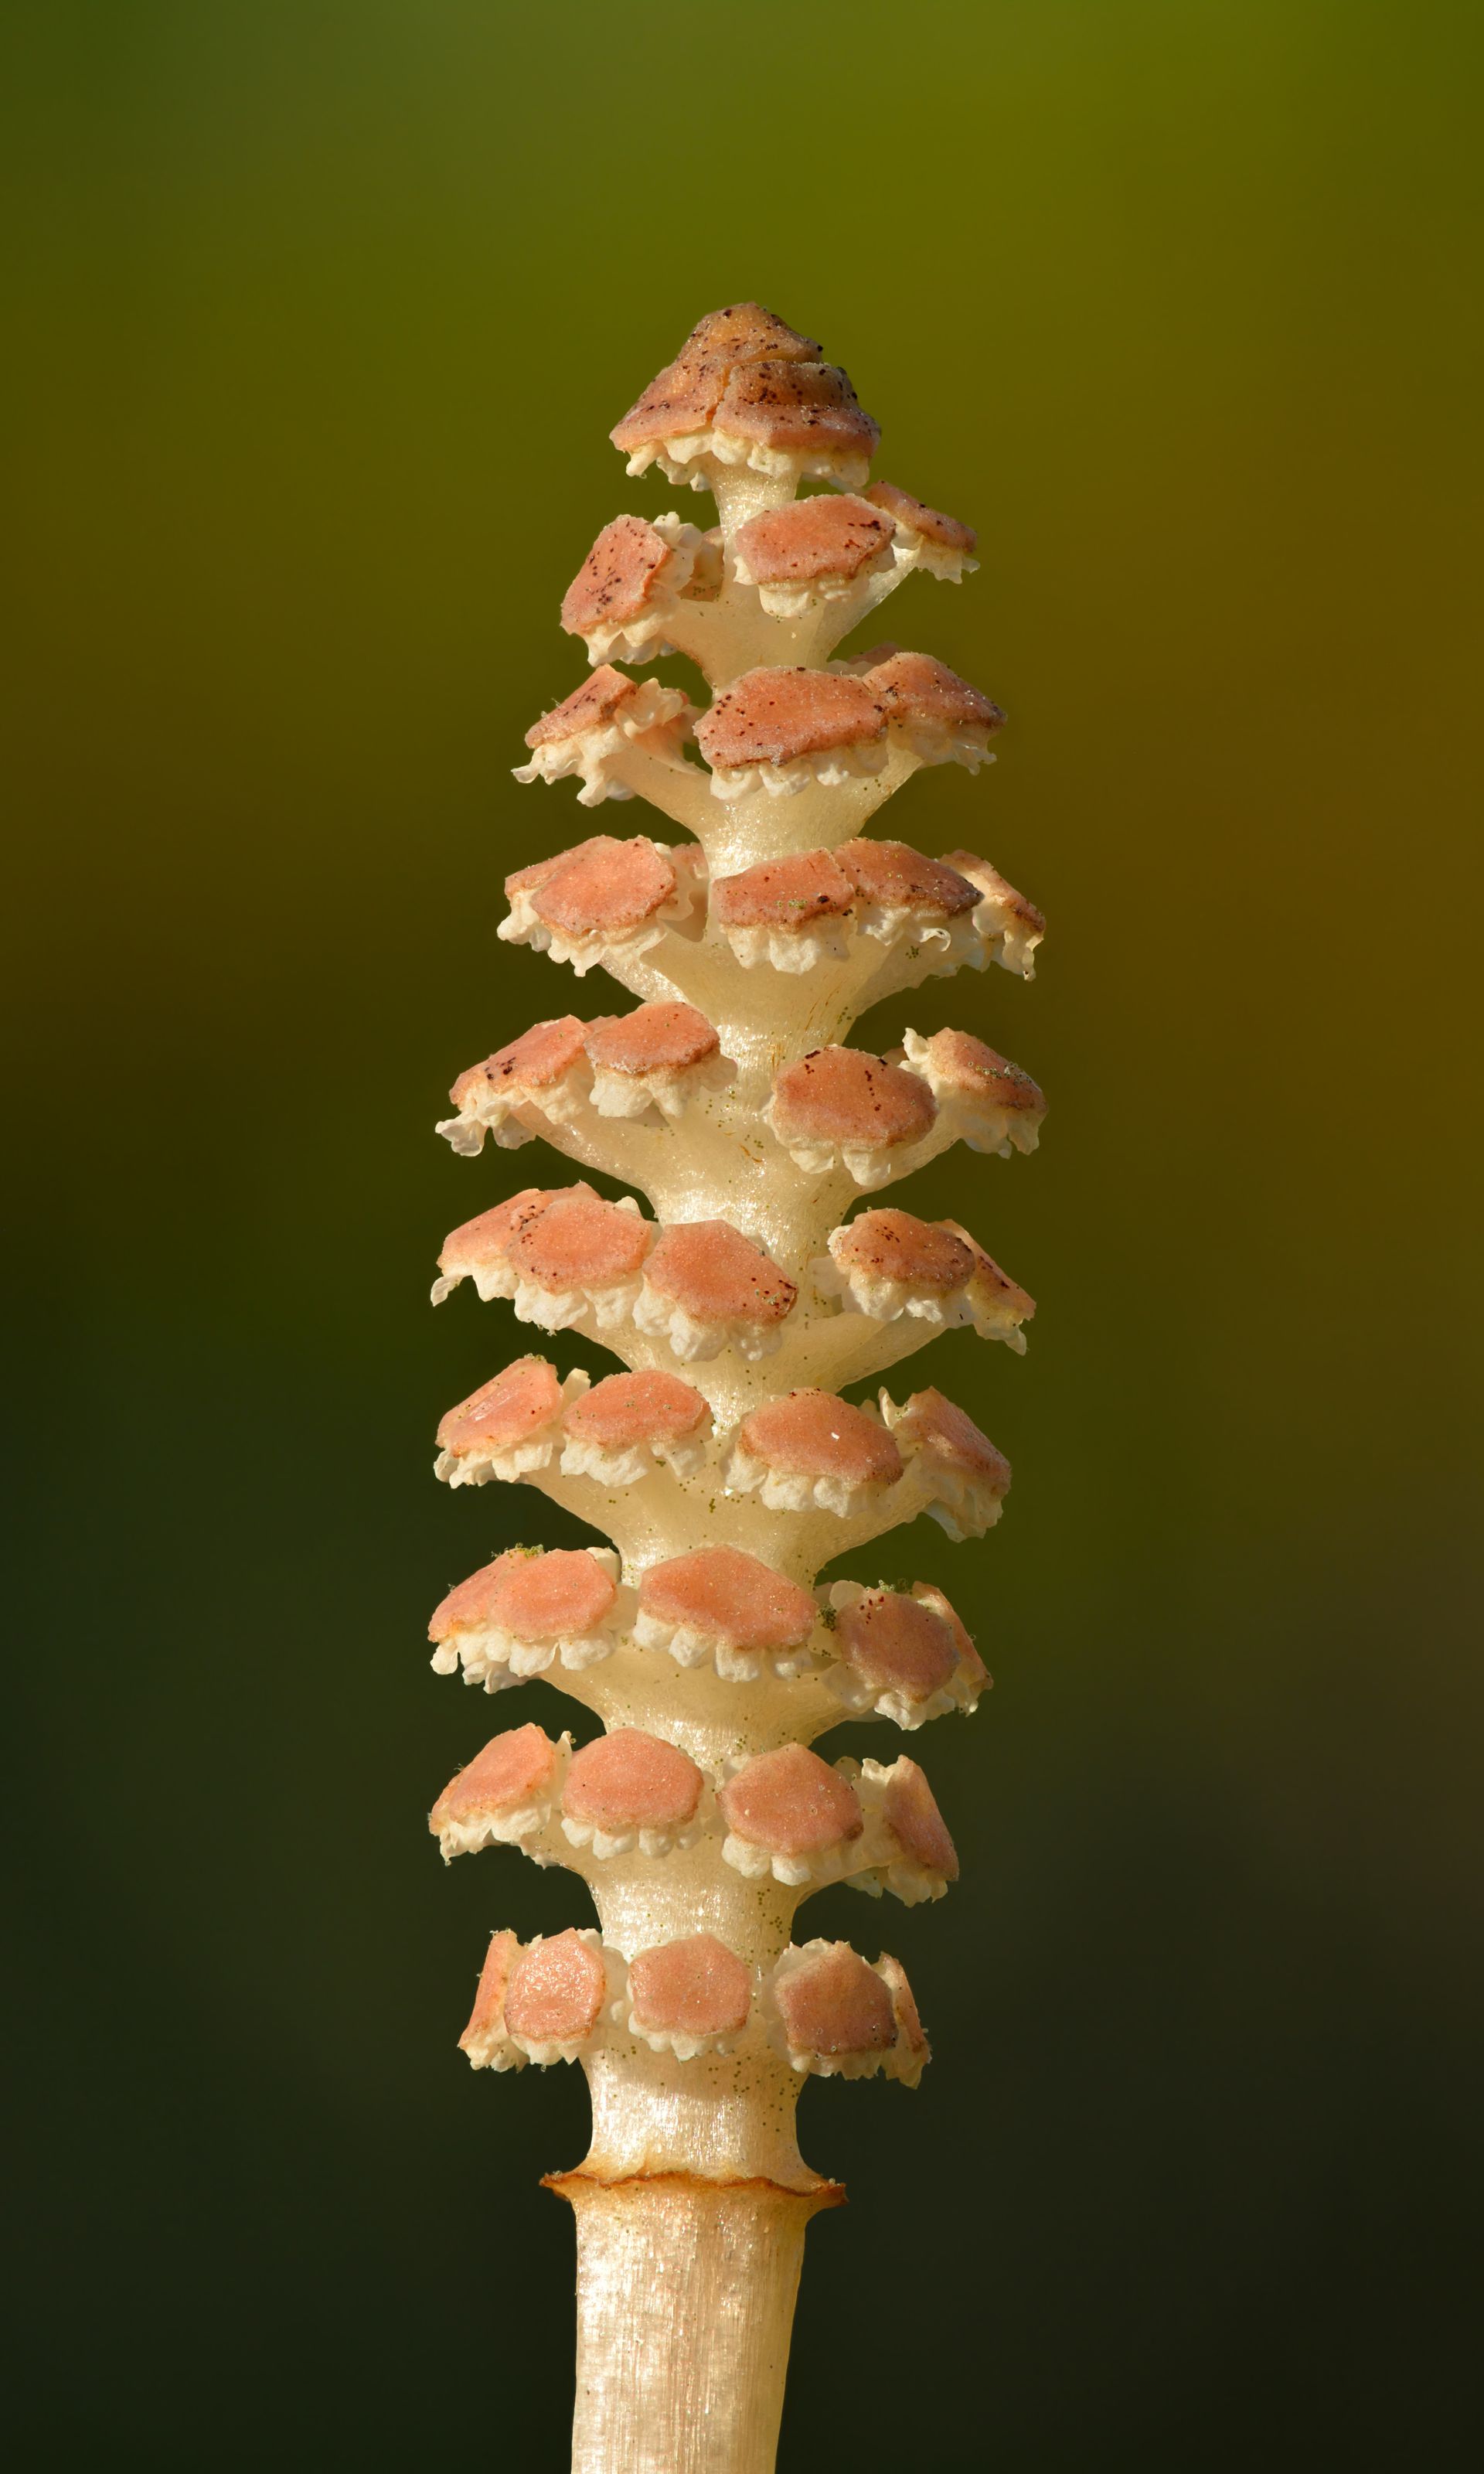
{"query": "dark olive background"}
[(320, 317)]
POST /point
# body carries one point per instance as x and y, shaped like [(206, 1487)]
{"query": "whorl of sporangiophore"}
[(746, 1285)]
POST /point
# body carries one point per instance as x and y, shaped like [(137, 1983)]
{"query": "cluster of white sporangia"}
[(723, 1465)]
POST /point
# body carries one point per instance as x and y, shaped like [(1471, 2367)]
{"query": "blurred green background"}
[(319, 317)]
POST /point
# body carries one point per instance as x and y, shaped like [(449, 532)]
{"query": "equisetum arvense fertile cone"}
[(763, 1274)]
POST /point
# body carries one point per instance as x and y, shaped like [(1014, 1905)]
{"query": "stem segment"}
[(685, 2294)]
